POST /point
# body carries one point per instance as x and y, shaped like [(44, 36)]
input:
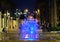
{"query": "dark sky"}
[(22, 4)]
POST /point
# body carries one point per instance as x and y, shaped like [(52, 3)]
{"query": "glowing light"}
[(31, 32), (30, 17), (26, 36), (28, 30), (26, 10), (16, 9), (38, 11), (20, 12), (35, 11)]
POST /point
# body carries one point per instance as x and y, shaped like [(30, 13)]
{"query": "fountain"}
[(28, 29)]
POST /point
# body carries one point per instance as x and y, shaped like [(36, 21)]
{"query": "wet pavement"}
[(42, 36)]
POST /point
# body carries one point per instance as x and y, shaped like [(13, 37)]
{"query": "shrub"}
[(55, 28)]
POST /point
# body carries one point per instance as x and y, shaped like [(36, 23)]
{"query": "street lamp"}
[(38, 11), (26, 10), (21, 13), (8, 21)]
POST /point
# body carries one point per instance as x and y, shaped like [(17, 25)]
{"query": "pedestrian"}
[(4, 31)]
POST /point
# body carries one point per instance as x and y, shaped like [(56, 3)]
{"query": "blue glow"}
[(28, 30)]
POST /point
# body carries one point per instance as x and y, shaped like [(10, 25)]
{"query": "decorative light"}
[(38, 11), (16, 9), (35, 11), (8, 14), (5, 14), (28, 30), (26, 10), (21, 13)]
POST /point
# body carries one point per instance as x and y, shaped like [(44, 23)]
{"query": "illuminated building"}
[(5, 21), (17, 24), (8, 21), (0, 22), (11, 23)]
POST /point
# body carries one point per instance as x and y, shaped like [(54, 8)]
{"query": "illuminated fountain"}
[(28, 29)]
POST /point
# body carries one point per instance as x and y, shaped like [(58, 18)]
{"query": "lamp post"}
[(17, 19), (5, 22), (8, 21)]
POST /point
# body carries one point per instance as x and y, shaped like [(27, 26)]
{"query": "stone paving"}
[(44, 37), (15, 36)]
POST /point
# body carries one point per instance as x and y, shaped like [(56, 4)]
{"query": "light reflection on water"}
[(29, 37)]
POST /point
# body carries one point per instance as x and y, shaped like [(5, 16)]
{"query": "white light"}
[(16, 9), (26, 10), (26, 36), (11, 17), (25, 13), (19, 13), (38, 10), (8, 14), (35, 11), (4, 14)]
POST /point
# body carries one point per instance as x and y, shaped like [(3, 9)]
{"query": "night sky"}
[(22, 4), (43, 5)]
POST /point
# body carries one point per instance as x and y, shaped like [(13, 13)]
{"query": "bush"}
[(55, 28)]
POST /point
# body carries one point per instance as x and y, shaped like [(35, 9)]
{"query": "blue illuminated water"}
[(28, 30)]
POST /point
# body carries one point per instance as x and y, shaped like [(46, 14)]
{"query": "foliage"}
[(55, 28)]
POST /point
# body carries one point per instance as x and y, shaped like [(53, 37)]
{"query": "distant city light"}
[(21, 13), (26, 10), (30, 17), (16, 9), (8, 14), (35, 11), (38, 11), (5, 14)]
